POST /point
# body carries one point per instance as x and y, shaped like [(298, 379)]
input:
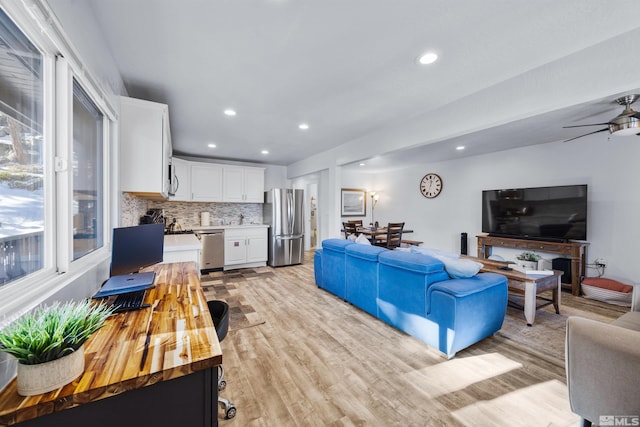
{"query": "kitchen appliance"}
[(212, 255), (283, 212)]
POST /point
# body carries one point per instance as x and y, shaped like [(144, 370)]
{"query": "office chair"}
[(220, 314)]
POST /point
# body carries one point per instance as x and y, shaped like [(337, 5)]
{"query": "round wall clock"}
[(431, 185)]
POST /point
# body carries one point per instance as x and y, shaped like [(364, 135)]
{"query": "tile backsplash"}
[(188, 214)]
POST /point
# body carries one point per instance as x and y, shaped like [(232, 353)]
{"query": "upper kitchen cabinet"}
[(243, 184), (206, 182), (180, 179), (145, 148)]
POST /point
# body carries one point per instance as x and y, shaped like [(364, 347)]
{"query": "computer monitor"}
[(134, 248)]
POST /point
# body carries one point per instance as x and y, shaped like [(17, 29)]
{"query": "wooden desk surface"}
[(183, 340)]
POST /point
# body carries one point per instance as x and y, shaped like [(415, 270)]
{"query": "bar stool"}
[(220, 314)]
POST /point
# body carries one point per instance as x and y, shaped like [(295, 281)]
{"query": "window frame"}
[(60, 67)]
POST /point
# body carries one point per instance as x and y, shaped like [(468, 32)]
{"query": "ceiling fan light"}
[(625, 126)]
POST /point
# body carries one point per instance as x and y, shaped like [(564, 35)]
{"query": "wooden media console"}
[(576, 251)]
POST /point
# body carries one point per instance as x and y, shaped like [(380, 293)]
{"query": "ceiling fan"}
[(624, 124)]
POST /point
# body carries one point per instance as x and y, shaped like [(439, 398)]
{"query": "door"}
[(235, 250), (180, 180), (233, 184), (287, 250), (254, 185), (206, 182), (257, 246)]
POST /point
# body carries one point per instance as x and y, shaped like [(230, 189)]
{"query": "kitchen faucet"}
[(241, 218)]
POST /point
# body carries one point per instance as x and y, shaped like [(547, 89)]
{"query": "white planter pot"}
[(44, 377)]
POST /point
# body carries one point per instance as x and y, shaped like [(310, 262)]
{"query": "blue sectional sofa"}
[(414, 293)]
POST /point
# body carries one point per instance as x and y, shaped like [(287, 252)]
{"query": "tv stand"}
[(574, 250)]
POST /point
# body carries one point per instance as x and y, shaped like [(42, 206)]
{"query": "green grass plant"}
[(52, 332)]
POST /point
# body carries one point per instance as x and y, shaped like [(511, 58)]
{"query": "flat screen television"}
[(556, 213), (134, 248)]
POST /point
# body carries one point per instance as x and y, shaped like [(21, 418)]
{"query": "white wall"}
[(608, 167)]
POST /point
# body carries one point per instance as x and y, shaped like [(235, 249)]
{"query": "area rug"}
[(546, 336), (230, 286)]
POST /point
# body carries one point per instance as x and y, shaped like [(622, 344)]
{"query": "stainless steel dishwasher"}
[(212, 256)]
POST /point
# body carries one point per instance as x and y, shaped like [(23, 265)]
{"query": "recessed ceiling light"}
[(211, 145), (428, 58), (460, 147), (303, 126), (265, 151), (230, 112), (362, 164)]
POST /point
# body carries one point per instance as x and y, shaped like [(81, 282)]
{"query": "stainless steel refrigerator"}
[(283, 212)]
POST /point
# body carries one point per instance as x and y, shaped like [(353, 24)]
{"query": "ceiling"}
[(348, 69)]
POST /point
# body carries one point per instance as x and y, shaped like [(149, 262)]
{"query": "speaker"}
[(463, 243), (564, 265)]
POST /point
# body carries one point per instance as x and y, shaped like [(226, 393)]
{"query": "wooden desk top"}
[(183, 340)]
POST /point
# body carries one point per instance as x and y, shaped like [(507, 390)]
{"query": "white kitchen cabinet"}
[(180, 189), (206, 182), (245, 247), (243, 184), (145, 148), (182, 248)]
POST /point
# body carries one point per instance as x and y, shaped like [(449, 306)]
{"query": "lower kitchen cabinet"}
[(245, 247), (182, 248)]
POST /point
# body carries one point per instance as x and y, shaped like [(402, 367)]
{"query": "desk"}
[(381, 231), (176, 385), (530, 285)]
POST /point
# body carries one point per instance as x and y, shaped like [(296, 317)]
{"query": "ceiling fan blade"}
[(592, 124), (590, 133)]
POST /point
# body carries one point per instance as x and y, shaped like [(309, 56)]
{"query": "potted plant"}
[(49, 343), (528, 260)]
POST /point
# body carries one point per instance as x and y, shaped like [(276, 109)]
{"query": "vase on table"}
[(48, 376)]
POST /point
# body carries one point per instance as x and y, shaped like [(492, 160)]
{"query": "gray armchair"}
[(603, 365)]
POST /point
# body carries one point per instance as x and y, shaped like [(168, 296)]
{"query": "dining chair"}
[(357, 222), (349, 229), (394, 236)]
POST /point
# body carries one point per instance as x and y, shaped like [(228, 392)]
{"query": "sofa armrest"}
[(603, 368)]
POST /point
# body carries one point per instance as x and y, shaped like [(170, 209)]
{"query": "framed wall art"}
[(353, 202)]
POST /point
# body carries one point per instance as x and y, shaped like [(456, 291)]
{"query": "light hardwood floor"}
[(318, 361)]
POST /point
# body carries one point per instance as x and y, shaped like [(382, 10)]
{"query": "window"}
[(55, 120), (87, 174), (22, 183)]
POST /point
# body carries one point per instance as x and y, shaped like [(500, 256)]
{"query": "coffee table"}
[(529, 285)]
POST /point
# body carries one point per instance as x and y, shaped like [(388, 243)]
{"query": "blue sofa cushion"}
[(366, 252), (417, 263), (463, 287), (337, 245)]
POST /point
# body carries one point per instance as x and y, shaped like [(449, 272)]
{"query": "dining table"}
[(374, 234)]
